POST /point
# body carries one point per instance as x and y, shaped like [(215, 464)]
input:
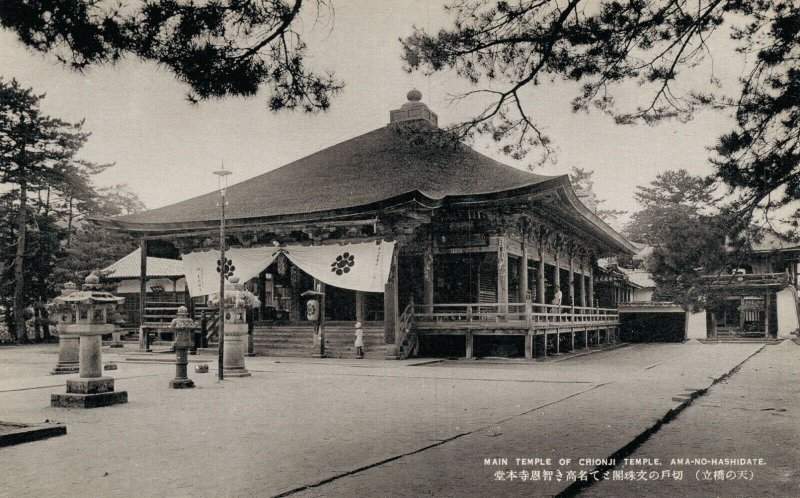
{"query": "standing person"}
[(359, 343), (556, 302)]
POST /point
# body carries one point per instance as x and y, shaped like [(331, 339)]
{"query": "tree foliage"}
[(49, 190), (217, 47), (505, 48), (581, 180), (688, 236)]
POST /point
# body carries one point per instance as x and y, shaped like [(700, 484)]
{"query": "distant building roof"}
[(130, 267), (771, 241), (642, 278)]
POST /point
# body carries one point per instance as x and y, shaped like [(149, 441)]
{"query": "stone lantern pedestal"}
[(183, 326), (235, 339), (91, 390), (237, 300), (67, 343)]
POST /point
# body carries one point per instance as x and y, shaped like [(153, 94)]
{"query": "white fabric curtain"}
[(202, 268), (362, 267)]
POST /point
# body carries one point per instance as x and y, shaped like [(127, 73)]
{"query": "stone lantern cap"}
[(90, 297), (182, 321), (90, 293), (235, 296), (68, 288), (55, 306)]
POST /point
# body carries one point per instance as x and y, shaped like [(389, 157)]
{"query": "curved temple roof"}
[(382, 168)]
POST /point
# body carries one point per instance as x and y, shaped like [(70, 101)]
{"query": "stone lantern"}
[(237, 300), (183, 326), (92, 307), (64, 315)]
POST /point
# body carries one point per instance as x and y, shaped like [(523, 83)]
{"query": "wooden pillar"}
[(390, 311), (557, 275), (294, 304), (591, 286), (585, 338), (572, 348), (540, 297), (528, 346), (558, 341), (469, 339), (523, 274), (766, 313), (359, 306), (502, 273), (262, 294), (142, 292), (583, 285), (427, 275), (571, 275)]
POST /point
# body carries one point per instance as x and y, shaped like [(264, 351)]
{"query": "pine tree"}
[(35, 151)]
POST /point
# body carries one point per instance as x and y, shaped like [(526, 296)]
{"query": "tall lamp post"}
[(223, 185)]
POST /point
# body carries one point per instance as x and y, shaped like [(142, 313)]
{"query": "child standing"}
[(359, 344)]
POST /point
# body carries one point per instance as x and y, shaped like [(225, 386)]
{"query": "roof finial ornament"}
[(414, 95)]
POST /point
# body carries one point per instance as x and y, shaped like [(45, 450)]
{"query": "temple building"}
[(757, 298), (165, 288), (435, 247)]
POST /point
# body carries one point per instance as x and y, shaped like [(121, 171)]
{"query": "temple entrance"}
[(465, 278)]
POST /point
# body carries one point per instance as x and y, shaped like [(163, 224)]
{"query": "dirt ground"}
[(753, 414), (372, 428)]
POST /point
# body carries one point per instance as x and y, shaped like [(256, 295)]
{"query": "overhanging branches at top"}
[(218, 47), (506, 49)]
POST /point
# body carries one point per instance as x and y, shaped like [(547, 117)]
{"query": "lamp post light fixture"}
[(223, 185)]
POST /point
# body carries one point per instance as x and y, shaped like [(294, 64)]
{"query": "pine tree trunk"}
[(37, 323), (19, 264), (44, 316), (69, 224)]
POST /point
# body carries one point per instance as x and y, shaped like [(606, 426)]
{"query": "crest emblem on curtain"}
[(226, 269), (343, 263)]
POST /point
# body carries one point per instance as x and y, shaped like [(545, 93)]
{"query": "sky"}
[(165, 149)]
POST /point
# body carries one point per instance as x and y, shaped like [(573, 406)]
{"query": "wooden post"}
[(571, 276), (319, 352), (585, 339), (558, 341), (390, 312), (502, 274), (359, 306), (427, 275), (470, 343), (591, 285), (262, 294), (143, 342), (766, 314), (572, 348), (582, 286), (529, 346), (540, 297), (557, 275), (544, 352), (294, 293), (523, 274)]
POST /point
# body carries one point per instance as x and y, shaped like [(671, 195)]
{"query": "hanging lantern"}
[(283, 265)]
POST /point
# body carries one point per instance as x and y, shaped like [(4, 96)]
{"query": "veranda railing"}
[(530, 313)]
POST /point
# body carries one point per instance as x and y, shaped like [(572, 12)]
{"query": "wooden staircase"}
[(409, 338), (296, 340)]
